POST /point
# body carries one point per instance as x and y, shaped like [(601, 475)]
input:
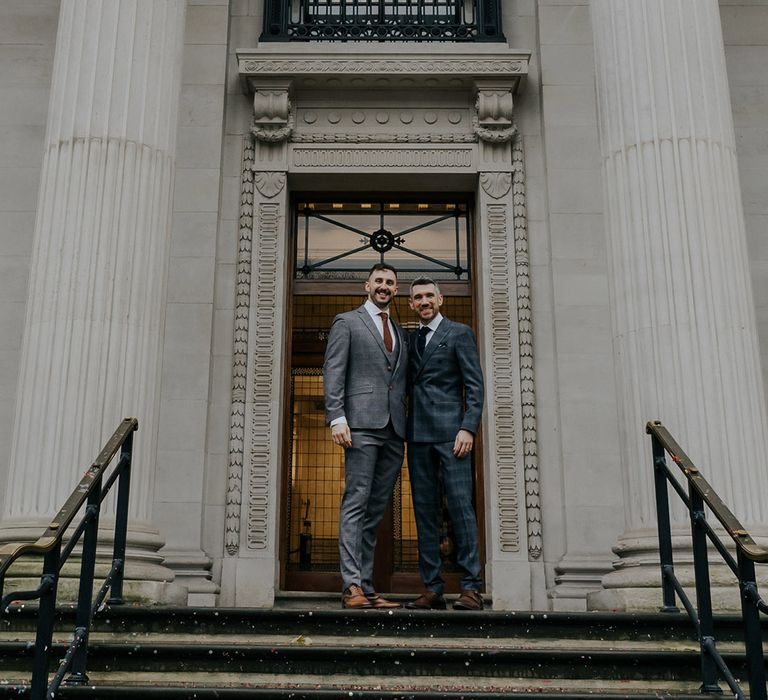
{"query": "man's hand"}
[(462, 446), (341, 434)]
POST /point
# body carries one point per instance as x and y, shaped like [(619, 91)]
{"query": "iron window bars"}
[(382, 20), (342, 240)]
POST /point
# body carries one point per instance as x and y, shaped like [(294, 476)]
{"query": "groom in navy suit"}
[(446, 401)]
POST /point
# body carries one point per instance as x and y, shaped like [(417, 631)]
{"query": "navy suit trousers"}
[(424, 462)]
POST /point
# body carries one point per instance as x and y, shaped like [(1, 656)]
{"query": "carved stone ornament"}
[(383, 137), (266, 315), (494, 121), (459, 158), (457, 67), (293, 66), (525, 339), (496, 184), (498, 255), (501, 249), (240, 353), (257, 271), (272, 115), (269, 184)]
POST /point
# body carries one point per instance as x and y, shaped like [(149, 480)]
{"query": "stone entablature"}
[(480, 86), (422, 66)]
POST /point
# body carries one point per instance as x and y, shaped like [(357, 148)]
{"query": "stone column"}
[(684, 332), (91, 347)]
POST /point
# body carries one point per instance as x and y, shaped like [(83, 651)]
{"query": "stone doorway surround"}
[(321, 114)]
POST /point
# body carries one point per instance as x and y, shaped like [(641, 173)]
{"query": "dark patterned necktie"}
[(421, 340), (388, 344)]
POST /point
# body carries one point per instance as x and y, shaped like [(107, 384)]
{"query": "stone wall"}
[(194, 328), (27, 40), (583, 431), (745, 31)]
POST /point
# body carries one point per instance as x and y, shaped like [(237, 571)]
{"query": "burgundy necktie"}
[(387, 335)]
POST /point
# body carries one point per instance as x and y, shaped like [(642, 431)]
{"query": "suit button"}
[(389, 367), (390, 386)]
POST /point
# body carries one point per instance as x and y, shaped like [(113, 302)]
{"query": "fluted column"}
[(91, 347), (684, 332)]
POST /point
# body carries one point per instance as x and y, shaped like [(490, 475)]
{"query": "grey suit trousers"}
[(371, 467)]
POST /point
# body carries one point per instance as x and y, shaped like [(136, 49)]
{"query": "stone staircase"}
[(141, 652)]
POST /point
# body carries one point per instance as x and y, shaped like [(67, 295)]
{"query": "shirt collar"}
[(374, 310), (434, 323)]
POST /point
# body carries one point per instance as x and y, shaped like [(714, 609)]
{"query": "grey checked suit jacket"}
[(361, 381), (445, 385)]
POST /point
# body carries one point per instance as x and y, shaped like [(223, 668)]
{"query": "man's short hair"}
[(421, 281), (382, 266)]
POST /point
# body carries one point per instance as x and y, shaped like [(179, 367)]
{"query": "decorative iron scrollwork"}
[(382, 20), (382, 240)]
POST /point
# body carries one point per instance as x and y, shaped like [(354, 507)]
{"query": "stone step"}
[(352, 623), (411, 661), (322, 653), (380, 640), (172, 686)]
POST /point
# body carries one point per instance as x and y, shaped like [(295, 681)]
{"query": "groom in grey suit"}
[(364, 375), (446, 402)]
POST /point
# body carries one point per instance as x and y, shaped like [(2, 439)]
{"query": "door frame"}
[(399, 582)]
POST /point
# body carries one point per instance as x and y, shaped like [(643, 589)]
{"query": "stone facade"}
[(515, 125)]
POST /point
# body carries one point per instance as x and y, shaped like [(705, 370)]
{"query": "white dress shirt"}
[(375, 313), (432, 325)]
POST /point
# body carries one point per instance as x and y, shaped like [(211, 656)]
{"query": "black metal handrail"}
[(90, 492), (382, 20), (701, 493)]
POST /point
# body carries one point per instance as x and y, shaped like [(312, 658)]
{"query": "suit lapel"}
[(371, 326), (437, 337), (401, 344)]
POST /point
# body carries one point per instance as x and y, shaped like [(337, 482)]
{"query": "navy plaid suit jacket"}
[(445, 384)]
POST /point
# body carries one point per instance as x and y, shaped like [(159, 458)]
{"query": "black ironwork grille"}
[(341, 240), (382, 20)]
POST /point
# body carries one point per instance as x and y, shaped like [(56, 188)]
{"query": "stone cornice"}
[(322, 68)]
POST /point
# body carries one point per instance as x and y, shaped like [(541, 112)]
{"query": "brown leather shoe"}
[(354, 599), (427, 601), (468, 600), (381, 603)]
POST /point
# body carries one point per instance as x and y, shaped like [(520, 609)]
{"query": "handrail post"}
[(664, 526), (78, 676), (753, 638), (45, 620), (703, 593), (121, 521)]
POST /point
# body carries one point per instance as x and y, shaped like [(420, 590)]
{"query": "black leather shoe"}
[(427, 601)]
